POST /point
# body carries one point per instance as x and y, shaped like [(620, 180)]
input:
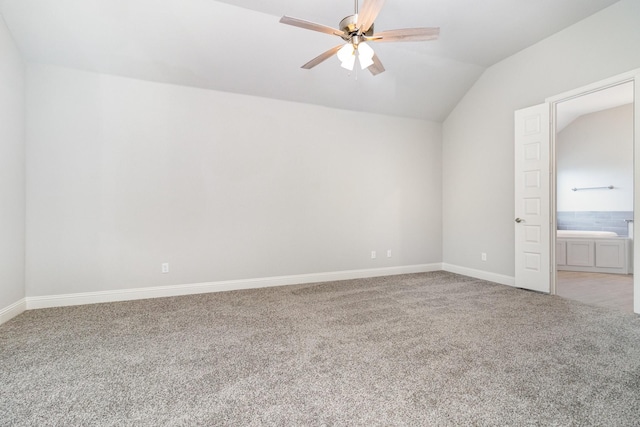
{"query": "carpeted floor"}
[(420, 349)]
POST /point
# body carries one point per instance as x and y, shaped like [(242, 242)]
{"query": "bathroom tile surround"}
[(595, 221)]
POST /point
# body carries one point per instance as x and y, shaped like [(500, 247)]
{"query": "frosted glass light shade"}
[(365, 55), (347, 56), (349, 63)]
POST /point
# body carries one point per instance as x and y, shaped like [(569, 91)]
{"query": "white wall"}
[(596, 150), (478, 191), (12, 164), (125, 174)]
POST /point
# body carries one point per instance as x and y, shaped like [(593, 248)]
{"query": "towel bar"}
[(610, 187)]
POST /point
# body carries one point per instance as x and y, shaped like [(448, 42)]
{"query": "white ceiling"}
[(239, 45), (615, 96)]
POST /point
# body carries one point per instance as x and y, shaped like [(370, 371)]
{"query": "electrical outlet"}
[(483, 255), (388, 253), (165, 267), (373, 254)]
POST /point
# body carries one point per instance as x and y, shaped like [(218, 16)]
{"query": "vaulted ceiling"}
[(239, 45)]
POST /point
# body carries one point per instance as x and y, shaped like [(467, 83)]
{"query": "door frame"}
[(630, 76)]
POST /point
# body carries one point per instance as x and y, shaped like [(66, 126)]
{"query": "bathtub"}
[(593, 251), (581, 233)]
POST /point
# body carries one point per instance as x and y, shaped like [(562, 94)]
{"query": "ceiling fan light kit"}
[(356, 30), (365, 55), (347, 56)]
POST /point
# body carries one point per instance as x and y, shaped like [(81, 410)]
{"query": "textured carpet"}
[(420, 349)]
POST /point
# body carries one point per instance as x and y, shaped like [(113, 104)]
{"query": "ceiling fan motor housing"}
[(349, 27)]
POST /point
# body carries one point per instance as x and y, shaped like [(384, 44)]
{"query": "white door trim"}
[(630, 76), (594, 87)]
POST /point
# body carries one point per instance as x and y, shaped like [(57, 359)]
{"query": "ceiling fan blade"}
[(368, 13), (406, 35), (377, 67), (322, 57), (309, 25)]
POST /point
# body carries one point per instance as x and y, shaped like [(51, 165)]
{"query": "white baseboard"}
[(13, 310), (479, 274), (227, 285)]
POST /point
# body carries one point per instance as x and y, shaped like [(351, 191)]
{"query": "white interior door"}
[(532, 198)]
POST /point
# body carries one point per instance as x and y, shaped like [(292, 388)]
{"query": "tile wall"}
[(595, 221)]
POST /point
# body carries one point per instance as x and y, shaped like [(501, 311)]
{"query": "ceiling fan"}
[(356, 30)]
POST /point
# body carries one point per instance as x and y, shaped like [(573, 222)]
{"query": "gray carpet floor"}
[(419, 349)]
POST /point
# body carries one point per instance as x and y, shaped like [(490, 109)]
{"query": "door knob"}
[(519, 220)]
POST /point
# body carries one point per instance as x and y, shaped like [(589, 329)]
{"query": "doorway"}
[(593, 195)]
